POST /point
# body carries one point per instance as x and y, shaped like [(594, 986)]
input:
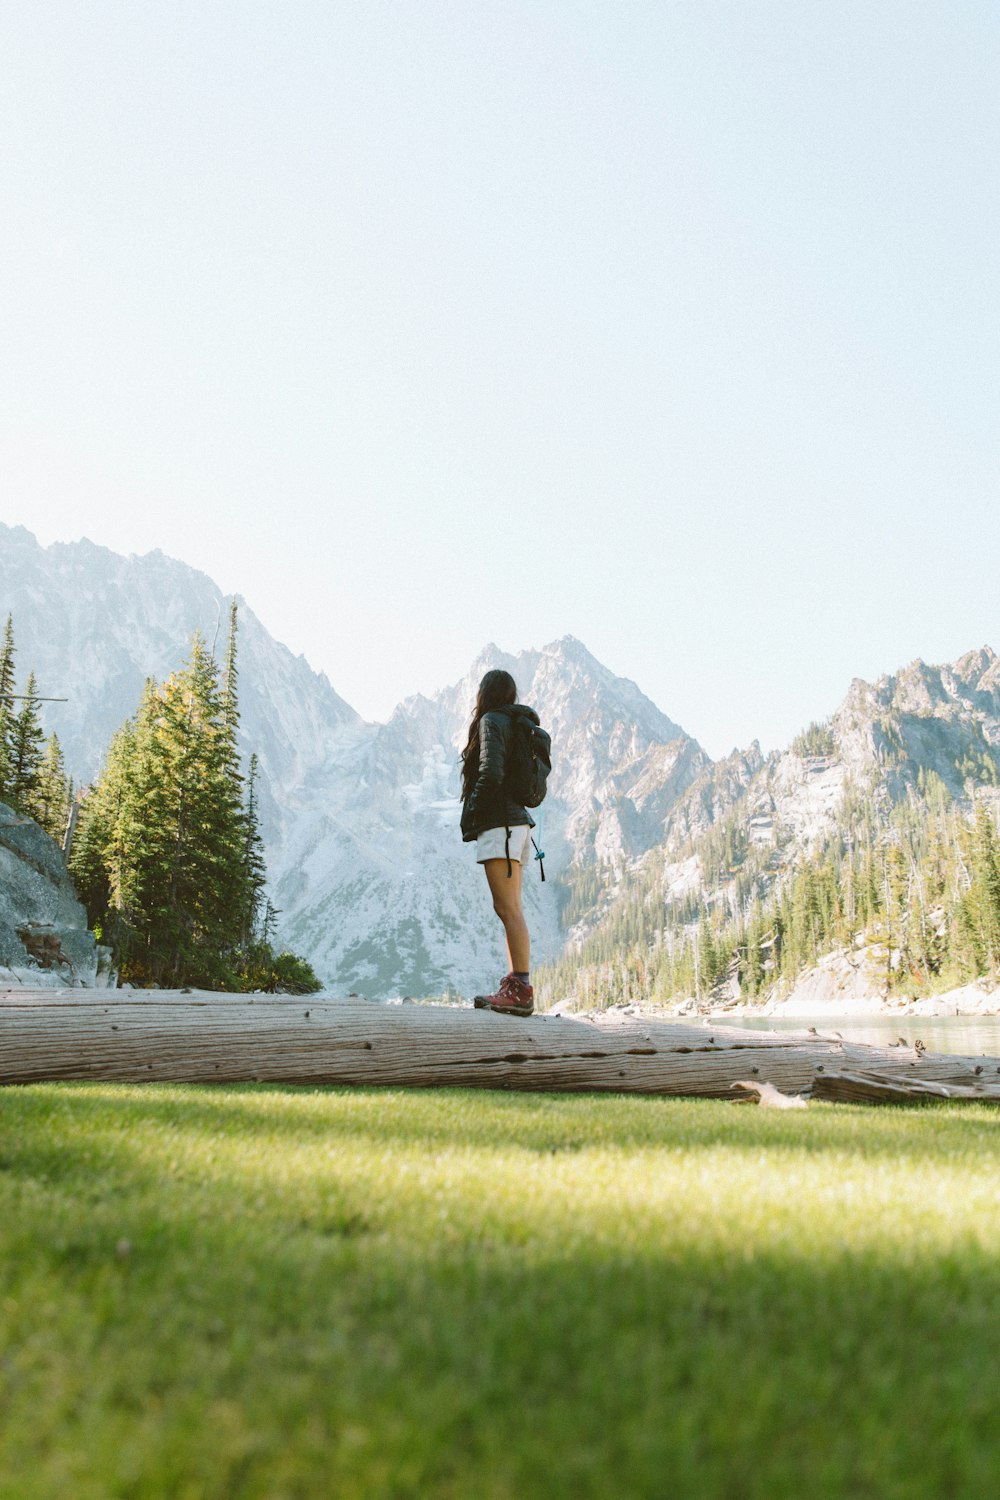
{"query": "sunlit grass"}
[(271, 1293)]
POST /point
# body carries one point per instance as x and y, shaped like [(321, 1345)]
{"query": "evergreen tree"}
[(982, 903), (254, 867), (32, 779), (7, 708), (110, 828), (50, 802), (230, 677), (25, 752), (198, 885)]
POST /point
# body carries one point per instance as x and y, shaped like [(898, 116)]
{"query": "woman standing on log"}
[(501, 828)]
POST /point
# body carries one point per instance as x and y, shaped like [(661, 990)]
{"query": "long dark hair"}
[(496, 690)]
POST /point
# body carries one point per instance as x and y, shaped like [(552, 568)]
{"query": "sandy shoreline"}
[(842, 984), (968, 1000), (812, 1000)]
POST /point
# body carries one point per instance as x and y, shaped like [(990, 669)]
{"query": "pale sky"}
[(672, 326)]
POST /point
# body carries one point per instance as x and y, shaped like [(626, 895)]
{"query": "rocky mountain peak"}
[(123, 619), (16, 536), (974, 665)]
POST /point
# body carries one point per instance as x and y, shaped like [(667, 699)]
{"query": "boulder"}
[(43, 927)]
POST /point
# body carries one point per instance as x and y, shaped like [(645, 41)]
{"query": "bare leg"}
[(507, 905)]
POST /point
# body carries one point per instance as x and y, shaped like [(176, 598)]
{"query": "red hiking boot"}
[(513, 998)]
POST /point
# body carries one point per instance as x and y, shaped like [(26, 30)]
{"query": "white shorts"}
[(493, 844)]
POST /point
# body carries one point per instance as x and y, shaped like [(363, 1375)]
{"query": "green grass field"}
[(260, 1292)]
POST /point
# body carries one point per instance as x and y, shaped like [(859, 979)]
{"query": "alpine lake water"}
[(968, 1036)]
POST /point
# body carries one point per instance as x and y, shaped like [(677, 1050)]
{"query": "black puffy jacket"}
[(489, 805)]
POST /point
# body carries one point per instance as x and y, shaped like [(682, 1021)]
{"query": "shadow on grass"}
[(543, 1123)]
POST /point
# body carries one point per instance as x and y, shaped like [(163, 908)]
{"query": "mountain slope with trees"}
[(875, 833), (33, 778)]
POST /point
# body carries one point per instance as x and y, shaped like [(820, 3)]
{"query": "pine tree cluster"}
[(913, 890), (33, 778), (168, 857)]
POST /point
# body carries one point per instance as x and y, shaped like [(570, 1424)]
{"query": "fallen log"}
[(130, 1036), (870, 1087)]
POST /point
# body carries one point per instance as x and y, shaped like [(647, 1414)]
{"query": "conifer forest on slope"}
[(166, 854), (911, 888)]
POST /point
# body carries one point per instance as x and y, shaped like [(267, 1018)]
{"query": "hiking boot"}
[(513, 998)]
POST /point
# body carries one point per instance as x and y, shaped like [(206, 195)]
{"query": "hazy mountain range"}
[(361, 820)]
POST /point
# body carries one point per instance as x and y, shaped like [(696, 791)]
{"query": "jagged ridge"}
[(361, 819)]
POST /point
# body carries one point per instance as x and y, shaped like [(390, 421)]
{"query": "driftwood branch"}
[(869, 1087), (768, 1097), (134, 1036)]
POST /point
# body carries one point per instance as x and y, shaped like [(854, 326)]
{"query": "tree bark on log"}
[(200, 1037)]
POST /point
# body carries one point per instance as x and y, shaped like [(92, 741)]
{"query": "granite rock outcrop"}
[(44, 937)]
